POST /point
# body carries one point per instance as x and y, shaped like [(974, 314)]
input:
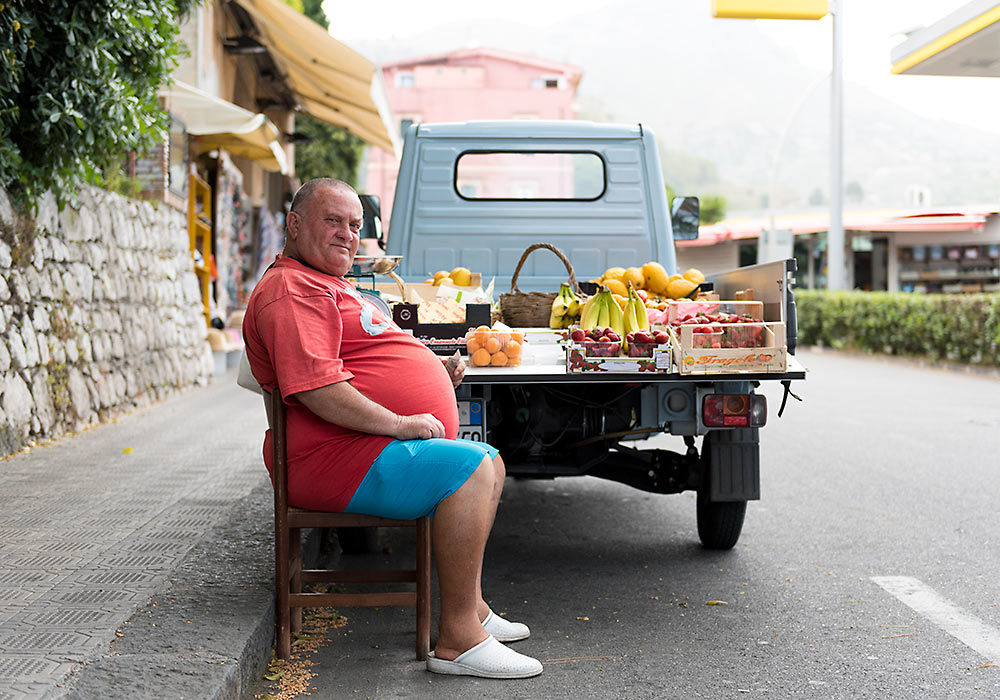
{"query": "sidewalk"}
[(136, 557)]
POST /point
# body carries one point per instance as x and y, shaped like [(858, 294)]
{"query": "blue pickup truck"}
[(477, 195)]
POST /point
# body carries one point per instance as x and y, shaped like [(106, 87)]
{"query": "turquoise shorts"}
[(410, 477)]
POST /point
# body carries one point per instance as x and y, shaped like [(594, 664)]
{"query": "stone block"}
[(41, 392), (17, 403)]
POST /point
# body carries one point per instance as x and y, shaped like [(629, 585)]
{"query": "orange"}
[(517, 335), (471, 345), (480, 358), (499, 360), (513, 349), (482, 335), (492, 344)]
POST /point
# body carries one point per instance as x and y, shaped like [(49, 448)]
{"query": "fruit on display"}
[(460, 277), (616, 286), (723, 330), (634, 276), (635, 316), (602, 310), (681, 288), (607, 342), (656, 277), (693, 274), (499, 346), (565, 308)]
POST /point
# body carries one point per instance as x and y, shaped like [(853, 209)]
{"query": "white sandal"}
[(488, 659), (505, 630)]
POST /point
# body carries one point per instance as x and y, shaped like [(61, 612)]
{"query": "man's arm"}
[(347, 407)]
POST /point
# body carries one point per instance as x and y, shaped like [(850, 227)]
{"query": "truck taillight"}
[(734, 411)]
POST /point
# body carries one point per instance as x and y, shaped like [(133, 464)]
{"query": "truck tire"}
[(719, 522)]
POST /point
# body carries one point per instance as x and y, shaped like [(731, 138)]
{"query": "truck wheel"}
[(357, 540), (719, 522)]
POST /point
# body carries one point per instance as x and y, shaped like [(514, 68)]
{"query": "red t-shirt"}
[(305, 329)]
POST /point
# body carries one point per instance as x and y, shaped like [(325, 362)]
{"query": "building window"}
[(404, 80), (546, 83), (527, 175), (177, 158)]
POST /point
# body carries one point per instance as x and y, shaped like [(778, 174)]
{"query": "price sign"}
[(472, 419)]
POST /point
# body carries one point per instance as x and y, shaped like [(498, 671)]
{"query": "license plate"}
[(472, 419)]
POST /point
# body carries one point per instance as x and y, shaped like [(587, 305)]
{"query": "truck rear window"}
[(530, 175)]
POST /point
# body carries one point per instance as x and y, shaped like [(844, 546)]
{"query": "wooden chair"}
[(289, 574)]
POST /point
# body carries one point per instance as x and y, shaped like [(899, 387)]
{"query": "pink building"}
[(463, 85)]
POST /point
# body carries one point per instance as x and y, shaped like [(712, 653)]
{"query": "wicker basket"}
[(532, 309)]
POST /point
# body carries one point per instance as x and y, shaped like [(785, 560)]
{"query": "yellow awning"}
[(220, 124), (965, 43), (333, 83)]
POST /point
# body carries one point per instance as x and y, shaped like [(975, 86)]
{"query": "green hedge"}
[(956, 327)]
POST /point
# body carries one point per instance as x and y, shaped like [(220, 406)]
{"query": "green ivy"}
[(960, 328), (78, 87)]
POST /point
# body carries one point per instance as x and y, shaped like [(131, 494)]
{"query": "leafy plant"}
[(78, 87), (961, 328)]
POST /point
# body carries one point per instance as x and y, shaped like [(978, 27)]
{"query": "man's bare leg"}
[(499, 474), (461, 527)]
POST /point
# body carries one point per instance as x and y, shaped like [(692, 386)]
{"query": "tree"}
[(78, 88), (713, 208), (331, 151)]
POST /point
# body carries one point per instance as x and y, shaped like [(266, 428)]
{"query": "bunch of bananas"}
[(635, 312), (602, 311), (565, 308)]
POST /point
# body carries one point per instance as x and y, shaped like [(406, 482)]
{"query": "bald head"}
[(300, 202)]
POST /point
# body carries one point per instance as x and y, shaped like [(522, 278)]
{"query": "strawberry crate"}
[(608, 357), (685, 311), (730, 348)]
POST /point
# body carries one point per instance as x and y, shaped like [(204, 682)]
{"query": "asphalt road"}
[(888, 469)]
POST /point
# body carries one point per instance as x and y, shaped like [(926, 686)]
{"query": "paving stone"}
[(89, 535)]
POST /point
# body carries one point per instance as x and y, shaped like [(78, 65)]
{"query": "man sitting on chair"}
[(372, 421)]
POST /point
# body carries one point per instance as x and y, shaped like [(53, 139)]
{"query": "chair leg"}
[(283, 642), (295, 547), (423, 588)]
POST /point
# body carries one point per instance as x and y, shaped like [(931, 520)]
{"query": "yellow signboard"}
[(770, 9)]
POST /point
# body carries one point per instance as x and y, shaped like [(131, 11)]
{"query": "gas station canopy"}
[(965, 43)]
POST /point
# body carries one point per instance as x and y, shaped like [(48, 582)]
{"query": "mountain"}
[(724, 98)]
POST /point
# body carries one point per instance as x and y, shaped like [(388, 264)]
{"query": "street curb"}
[(209, 634)]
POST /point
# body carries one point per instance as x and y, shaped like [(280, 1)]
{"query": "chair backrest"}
[(276, 418)]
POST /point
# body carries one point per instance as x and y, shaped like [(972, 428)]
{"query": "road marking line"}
[(969, 630)]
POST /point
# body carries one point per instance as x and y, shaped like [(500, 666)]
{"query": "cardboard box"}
[(422, 290), (405, 316), (578, 361), (771, 356)]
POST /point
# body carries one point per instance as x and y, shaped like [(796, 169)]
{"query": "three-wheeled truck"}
[(478, 195)]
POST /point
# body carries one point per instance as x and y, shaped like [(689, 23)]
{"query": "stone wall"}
[(100, 314)]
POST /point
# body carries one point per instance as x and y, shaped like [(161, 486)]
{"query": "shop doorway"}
[(871, 263)]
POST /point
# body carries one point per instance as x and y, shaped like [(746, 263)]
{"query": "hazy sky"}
[(871, 29)]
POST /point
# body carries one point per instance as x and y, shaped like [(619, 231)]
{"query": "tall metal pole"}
[(835, 236)]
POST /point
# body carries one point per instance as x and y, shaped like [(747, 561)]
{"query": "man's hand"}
[(455, 367), (422, 426)]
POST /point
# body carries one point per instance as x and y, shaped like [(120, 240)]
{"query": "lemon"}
[(680, 288), (614, 273), (693, 274), (461, 276), (635, 276), (616, 286)]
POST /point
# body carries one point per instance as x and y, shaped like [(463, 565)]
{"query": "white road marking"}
[(969, 630)]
